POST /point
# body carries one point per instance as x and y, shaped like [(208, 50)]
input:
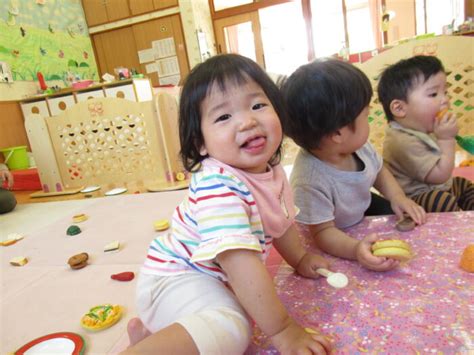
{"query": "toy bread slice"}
[(395, 249)]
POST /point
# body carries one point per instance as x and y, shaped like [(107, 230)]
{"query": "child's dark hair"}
[(397, 80), (222, 70), (322, 97)]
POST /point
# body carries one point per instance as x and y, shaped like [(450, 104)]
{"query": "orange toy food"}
[(441, 113), (467, 259), (101, 317)]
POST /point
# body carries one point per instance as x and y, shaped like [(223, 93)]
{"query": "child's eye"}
[(222, 118), (259, 106), (433, 94)]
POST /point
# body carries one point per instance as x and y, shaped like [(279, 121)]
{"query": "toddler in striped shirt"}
[(202, 283)]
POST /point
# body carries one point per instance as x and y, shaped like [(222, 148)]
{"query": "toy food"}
[(11, 239), (79, 218), (78, 261), (441, 113), (406, 224), (123, 276), (115, 245), (73, 230), (18, 261), (467, 259), (161, 225), (101, 317), (392, 248)]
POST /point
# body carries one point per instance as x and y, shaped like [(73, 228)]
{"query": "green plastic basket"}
[(16, 157)]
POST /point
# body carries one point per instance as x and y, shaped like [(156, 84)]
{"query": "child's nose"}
[(248, 122)]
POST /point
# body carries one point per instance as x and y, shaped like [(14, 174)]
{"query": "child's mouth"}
[(254, 143)]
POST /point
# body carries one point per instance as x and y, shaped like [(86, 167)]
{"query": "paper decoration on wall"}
[(5, 73), (161, 58), (164, 47), (40, 35)]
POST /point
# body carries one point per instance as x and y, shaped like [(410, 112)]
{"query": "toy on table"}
[(161, 225), (90, 189), (466, 142), (406, 224), (11, 239), (116, 191), (335, 279), (73, 230), (123, 276), (101, 317), (115, 245), (78, 261), (18, 261), (55, 343), (78, 218), (392, 248), (467, 259)]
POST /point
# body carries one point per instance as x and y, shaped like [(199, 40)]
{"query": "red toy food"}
[(123, 276)]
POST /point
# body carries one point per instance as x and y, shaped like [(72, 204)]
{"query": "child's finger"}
[(323, 344)]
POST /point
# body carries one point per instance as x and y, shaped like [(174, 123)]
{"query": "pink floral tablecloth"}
[(425, 306)]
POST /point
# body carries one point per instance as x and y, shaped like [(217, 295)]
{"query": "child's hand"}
[(446, 127), (309, 263), (370, 261), (7, 176), (402, 204), (293, 339)]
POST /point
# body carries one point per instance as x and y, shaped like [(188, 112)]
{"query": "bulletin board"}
[(47, 36)]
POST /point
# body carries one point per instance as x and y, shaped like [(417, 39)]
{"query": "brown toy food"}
[(406, 224), (467, 259), (78, 261)]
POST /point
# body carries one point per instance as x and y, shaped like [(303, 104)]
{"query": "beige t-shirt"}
[(410, 156)]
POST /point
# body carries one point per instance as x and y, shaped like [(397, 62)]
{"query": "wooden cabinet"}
[(99, 12), (119, 47), (138, 7), (116, 49), (102, 11), (163, 4)]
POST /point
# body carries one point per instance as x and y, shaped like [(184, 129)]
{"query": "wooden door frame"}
[(252, 16)]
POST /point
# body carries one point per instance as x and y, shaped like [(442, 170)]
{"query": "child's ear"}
[(398, 108), (203, 151), (337, 137)]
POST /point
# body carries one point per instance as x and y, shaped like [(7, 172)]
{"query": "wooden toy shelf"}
[(107, 140)]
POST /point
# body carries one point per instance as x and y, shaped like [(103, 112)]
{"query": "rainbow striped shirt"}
[(219, 213)]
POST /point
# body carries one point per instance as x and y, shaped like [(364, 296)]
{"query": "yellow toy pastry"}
[(161, 225), (467, 259), (101, 317), (79, 218), (392, 248)]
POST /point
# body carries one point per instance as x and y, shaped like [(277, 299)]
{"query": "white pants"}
[(203, 305)]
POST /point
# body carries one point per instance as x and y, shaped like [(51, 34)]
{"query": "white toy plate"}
[(116, 191), (90, 189)]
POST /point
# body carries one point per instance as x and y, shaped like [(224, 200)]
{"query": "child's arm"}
[(255, 290), (334, 241), (290, 248), (389, 187), (445, 130)]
